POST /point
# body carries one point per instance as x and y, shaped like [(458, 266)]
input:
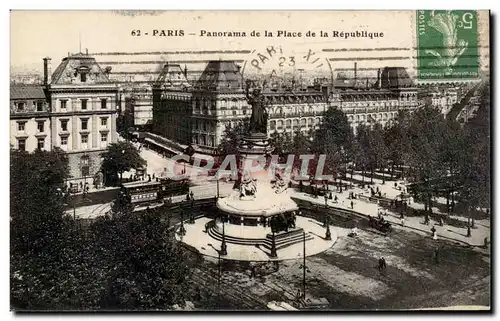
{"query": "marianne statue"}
[(258, 120)]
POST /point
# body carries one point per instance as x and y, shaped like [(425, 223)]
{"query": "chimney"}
[(47, 71), (379, 81), (87, 51), (355, 72), (185, 71)]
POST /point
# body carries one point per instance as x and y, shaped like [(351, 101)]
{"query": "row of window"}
[(21, 143), (204, 140), (21, 125), (40, 125), (21, 106), (64, 141), (84, 103), (84, 139)]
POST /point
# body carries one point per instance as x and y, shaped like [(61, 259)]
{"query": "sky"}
[(38, 34)]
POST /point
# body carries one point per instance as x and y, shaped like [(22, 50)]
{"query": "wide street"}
[(347, 276)]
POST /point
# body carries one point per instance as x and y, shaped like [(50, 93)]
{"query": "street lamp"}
[(273, 246), (223, 246), (304, 266), (182, 230), (328, 235), (217, 177), (84, 166)]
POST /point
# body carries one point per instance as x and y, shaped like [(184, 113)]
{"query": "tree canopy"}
[(118, 158)]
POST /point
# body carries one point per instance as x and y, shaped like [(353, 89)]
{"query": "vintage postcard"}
[(250, 160)]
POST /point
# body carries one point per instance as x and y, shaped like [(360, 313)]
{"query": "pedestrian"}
[(436, 256), (336, 200), (192, 195), (402, 220), (434, 234), (395, 185), (153, 175), (330, 195), (441, 222), (352, 204), (472, 223)]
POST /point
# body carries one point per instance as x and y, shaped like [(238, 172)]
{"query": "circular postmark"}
[(275, 66)]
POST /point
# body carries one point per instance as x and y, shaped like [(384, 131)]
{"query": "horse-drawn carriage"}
[(380, 225)]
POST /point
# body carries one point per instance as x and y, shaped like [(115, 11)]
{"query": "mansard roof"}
[(395, 77), (72, 66), (173, 77), (220, 75), (27, 92)]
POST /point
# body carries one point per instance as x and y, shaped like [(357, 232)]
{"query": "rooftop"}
[(220, 75), (27, 92), (73, 66)]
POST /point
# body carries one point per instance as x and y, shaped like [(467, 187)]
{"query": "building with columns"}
[(83, 110)]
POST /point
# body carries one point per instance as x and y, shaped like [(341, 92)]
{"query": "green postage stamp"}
[(447, 44)]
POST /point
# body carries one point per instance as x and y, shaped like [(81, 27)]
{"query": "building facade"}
[(29, 118), (380, 103), (83, 110), (200, 115)]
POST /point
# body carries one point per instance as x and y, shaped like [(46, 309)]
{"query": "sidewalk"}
[(478, 233)]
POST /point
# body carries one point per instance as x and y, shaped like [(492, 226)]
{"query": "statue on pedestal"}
[(248, 186), (258, 120), (279, 185)]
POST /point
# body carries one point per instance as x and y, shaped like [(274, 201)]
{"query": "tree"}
[(377, 150), (426, 131), (147, 270), (333, 138), (37, 196), (118, 158), (281, 144), (42, 237), (397, 142), (360, 149), (232, 139), (475, 170)]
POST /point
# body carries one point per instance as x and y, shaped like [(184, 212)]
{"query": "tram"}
[(142, 193), (145, 193)]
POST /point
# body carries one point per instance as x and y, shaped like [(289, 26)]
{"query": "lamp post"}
[(84, 166), (223, 246), (328, 235), (273, 246), (326, 208), (304, 266), (217, 177), (182, 230)]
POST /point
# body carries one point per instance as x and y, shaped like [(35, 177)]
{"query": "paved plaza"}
[(204, 188), (198, 239)]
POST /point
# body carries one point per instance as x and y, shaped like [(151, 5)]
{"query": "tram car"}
[(146, 193), (142, 193), (170, 187)]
